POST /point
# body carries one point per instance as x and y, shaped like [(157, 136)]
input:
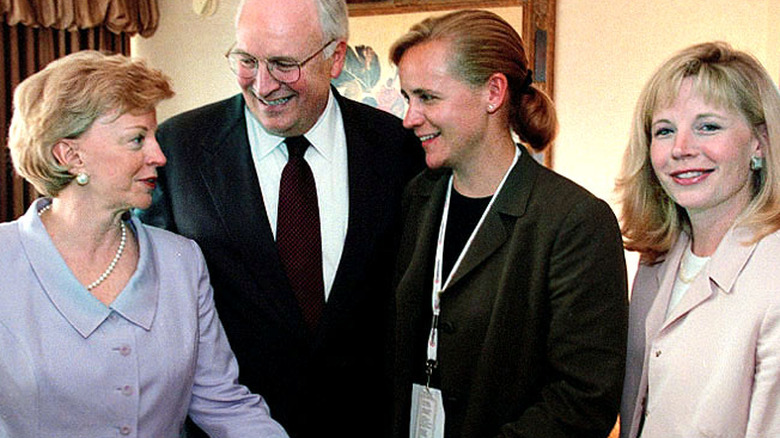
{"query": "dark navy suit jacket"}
[(334, 382)]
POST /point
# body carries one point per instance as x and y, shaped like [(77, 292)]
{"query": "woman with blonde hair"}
[(700, 193), (511, 284), (107, 326)]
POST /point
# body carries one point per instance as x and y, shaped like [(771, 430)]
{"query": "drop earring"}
[(82, 178), (756, 163)]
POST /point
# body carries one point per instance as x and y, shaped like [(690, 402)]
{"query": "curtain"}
[(36, 32), (118, 16)]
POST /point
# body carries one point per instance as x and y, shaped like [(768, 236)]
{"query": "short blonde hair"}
[(482, 43), (65, 98), (723, 76)]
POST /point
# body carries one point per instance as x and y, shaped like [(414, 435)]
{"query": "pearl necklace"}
[(114, 261), (686, 279)]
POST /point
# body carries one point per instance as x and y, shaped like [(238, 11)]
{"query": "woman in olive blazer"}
[(532, 324), (532, 319)]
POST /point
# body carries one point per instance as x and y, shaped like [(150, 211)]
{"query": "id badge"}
[(427, 415)]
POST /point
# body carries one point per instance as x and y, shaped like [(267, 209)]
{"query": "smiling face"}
[(121, 157), (447, 114), (701, 153), (286, 30)]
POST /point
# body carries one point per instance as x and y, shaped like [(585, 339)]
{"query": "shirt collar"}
[(319, 135), (137, 302)]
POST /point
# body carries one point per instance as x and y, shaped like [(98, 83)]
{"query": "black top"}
[(464, 215)]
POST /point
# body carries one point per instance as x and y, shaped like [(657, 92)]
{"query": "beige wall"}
[(605, 50), (190, 49), (604, 54)]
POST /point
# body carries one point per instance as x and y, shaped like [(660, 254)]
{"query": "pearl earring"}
[(756, 163), (491, 107), (82, 179)]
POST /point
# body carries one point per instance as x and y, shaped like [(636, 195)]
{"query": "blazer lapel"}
[(730, 258), (510, 204), (365, 200), (366, 194), (699, 291), (417, 280), (720, 273), (229, 174), (662, 288), (656, 316)]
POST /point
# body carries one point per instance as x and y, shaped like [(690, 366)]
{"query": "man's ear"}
[(338, 57)]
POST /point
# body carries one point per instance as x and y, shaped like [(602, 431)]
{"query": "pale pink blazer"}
[(713, 367)]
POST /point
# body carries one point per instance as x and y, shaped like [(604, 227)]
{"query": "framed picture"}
[(369, 77)]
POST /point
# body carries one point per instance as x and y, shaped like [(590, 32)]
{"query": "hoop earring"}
[(756, 163), (82, 178)]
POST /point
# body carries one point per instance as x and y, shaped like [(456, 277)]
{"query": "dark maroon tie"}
[(298, 232)]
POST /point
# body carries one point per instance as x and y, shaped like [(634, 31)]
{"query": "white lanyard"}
[(438, 287)]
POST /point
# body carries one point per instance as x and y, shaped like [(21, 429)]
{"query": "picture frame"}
[(369, 77)]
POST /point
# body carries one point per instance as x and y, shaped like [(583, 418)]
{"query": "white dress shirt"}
[(328, 161)]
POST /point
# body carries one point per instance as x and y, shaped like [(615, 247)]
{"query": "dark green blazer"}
[(533, 324)]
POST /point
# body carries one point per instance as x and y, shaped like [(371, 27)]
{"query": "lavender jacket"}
[(71, 366)]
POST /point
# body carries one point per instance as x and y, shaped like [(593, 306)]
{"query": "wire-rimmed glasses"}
[(282, 69)]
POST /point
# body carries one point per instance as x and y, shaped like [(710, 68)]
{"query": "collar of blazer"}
[(721, 273), (511, 203), (726, 262), (519, 184)]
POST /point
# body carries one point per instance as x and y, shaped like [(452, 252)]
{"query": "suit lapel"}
[(730, 258), (366, 192), (417, 280), (229, 174), (510, 204), (643, 307), (365, 200), (720, 273), (656, 316), (699, 291)]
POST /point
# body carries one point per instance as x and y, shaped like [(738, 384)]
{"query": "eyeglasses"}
[(284, 70)]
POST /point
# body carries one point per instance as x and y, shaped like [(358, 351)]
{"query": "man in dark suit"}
[(221, 187)]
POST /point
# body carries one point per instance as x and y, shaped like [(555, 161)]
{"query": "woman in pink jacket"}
[(700, 194)]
